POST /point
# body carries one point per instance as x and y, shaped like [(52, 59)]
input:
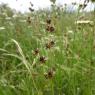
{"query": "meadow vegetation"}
[(47, 52)]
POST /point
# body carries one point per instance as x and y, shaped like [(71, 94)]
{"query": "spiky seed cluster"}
[(50, 28), (50, 44), (50, 74), (42, 59), (29, 20), (48, 21), (31, 8), (36, 51)]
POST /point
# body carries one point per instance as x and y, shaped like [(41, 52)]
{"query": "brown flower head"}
[(48, 21), (36, 51), (74, 3), (42, 59), (50, 44), (50, 28), (32, 10), (29, 20), (50, 74), (31, 4)]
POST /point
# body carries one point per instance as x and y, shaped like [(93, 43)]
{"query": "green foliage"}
[(47, 53)]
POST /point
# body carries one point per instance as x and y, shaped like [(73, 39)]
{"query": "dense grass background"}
[(70, 65)]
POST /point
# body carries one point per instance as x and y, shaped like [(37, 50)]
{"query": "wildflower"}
[(50, 44), (31, 4), (82, 6), (31, 9), (50, 73), (36, 51), (70, 31), (42, 59), (29, 20), (50, 28), (74, 3), (84, 22), (48, 21)]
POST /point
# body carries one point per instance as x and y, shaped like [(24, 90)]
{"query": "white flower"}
[(2, 28), (84, 22), (70, 31)]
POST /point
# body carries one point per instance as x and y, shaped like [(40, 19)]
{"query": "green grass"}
[(71, 61)]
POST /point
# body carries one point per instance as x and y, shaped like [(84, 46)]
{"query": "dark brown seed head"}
[(48, 28), (48, 21), (29, 20), (36, 51), (50, 44), (81, 5), (74, 3), (31, 4), (51, 29), (32, 10), (49, 74), (42, 59)]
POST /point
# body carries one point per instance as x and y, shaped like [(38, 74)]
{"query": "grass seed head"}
[(50, 28), (50, 44), (43, 59), (32, 10), (31, 4), (50, 74), (36, 51), (48, 21)]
